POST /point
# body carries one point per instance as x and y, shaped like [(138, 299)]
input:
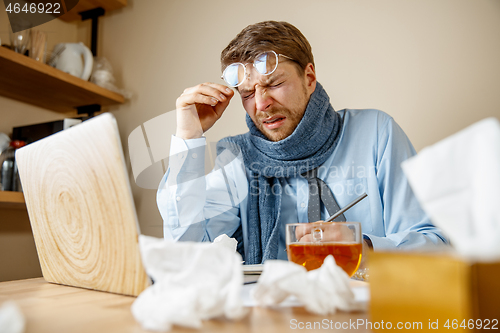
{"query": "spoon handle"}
[(358, 199)]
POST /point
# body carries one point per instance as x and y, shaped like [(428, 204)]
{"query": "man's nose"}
[(262, 99)]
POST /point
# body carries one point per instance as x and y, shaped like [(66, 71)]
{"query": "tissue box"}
[(439, 291)]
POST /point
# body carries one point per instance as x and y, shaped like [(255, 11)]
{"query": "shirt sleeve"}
[(195, 206), (406, 225)]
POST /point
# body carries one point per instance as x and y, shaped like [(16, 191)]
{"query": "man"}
[(300, 162)]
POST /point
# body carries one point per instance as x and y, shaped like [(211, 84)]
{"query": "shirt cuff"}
[(187, 160), (178, 145), (380, 243), (368, 241)]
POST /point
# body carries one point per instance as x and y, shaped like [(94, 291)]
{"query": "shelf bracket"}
[(93, 14), (88, 109)]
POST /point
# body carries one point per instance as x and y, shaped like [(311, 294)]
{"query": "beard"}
[(293, 117)]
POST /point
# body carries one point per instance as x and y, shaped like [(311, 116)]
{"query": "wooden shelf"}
[(84, 5), (12, 200), (33, 82)]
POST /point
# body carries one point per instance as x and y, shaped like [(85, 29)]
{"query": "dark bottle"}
[(9, 176)]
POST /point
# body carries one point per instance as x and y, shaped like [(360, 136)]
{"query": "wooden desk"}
[(54, 308)]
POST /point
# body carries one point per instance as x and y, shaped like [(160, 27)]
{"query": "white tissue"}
[(192, 282), (322, 291), (11, 318), (225, 241), (457, 182)]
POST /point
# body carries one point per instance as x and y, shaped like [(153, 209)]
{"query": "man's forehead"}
[(262, 80)]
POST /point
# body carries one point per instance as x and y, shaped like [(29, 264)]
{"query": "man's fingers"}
[(217, 91), (302, 230), (306, 239), (331, 232), (190, 99), (221, 106), (205, 91), (203, 104), (222, 88)]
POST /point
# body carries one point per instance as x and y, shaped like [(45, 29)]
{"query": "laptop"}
[(81, 208)]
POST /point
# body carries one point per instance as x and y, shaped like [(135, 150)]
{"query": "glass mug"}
[(19, 41), (308, 244)]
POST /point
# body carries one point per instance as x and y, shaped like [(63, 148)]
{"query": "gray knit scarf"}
[(308, 147)]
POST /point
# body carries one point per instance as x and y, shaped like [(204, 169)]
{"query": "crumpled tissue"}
[(11, 318), (227, 242), (457, 182), (322, 291), (192, 282)]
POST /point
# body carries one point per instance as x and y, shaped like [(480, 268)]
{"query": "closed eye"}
[(277, 85), (248, 95)]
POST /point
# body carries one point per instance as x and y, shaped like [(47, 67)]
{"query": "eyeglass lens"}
[(234, 74), (264, 64)]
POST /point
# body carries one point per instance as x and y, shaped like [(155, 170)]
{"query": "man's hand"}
[(329, 232), (199, 107)]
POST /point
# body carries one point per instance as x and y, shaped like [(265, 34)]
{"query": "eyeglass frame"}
[(247, 75)]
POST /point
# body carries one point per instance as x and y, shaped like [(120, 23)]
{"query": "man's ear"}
[(310, 78)]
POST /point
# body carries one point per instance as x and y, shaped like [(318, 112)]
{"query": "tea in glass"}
[(308, 244)]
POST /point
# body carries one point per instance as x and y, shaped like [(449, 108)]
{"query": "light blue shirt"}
[(367, 159)]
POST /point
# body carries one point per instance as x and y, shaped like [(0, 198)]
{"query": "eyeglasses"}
[(265, 64)]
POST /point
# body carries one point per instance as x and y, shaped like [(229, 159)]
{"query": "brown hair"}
[(280, 37)]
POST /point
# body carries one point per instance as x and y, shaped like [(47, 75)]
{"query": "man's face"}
[(277, 102)]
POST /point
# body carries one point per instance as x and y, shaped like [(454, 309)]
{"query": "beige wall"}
[(434, 65), (18, 257)]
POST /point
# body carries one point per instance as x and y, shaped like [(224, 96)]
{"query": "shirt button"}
[(303, 204), (194, 155), (178, 198)]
